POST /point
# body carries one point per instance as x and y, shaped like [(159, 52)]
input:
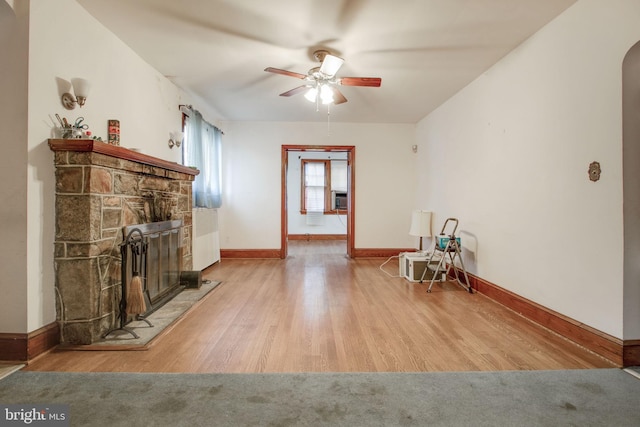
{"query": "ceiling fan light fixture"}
[(326, 94), (320, 82), (311, 94), (330, 65)]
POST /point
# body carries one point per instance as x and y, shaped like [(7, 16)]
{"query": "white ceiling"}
[(424, 50)]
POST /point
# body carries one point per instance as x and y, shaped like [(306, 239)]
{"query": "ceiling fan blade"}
[(330, 65), (295, 91), (338, 97), (285, 72), (360, 81)]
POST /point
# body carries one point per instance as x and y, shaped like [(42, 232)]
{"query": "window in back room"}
[(324, 186)]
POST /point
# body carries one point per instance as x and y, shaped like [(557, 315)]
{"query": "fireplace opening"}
[(162, 264), (150, 271)]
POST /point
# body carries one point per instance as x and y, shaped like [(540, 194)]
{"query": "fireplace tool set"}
[(133, 297)]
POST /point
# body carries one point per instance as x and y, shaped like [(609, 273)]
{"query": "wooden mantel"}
[(93, 146)]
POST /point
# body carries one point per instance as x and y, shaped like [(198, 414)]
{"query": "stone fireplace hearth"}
[(100, 189)]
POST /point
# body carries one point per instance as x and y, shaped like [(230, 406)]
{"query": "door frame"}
[(284, 214)]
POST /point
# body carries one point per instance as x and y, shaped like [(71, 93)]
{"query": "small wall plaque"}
[(594, 171), (114, 132)]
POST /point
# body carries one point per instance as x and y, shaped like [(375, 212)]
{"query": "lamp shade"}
[(311, 94), (330, 65), (326, 94), (81, 87), (420, 223)]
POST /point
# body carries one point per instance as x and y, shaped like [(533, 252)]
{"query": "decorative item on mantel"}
[(78, 130), (114, 132)]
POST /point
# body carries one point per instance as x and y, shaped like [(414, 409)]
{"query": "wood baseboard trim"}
[(631, 353), (605, 345), (250, 253), (13, 347), (276, 253), (380, 252), (309, 237), (25, 347)]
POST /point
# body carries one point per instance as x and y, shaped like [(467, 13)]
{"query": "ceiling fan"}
[(321, 82)]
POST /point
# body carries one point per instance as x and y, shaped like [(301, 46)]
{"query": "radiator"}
[(206, 238), (315, 217)]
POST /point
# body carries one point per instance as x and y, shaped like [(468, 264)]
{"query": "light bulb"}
[(311, 94), (326, 94)]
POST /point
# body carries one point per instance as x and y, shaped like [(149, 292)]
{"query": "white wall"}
[(297, 224), (14, 30), (385, 185), (124, 87), (515, 146)]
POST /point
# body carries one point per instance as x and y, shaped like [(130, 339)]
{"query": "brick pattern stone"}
[(97, 195)]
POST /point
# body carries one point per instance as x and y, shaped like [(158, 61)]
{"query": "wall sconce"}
[(175, 139), (81, 89)]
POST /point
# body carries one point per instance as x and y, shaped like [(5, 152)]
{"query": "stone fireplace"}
[(102, 189)]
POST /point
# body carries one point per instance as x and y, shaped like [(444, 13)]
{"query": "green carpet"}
[(604, 397)]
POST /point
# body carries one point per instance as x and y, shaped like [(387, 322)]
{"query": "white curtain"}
[(201, 148), (314, 175)]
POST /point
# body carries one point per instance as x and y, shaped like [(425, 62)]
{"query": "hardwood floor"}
[(319, 311)]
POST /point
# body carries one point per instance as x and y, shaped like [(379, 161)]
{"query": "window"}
[(202, 149), (324, 185)]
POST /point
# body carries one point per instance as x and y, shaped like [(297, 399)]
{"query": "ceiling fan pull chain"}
[(328, 120)]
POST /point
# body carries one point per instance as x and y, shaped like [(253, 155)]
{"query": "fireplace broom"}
[(136, 303)]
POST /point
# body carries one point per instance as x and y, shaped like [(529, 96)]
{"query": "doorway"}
[(631, 205), (350, 224)]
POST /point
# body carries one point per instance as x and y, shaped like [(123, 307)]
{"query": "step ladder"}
[(451, 250)]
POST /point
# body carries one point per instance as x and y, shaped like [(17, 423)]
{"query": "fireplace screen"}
[(161, 278)]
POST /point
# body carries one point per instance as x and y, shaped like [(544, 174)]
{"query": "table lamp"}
[(420, 225)]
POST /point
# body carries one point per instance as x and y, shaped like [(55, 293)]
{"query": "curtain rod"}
[(187, 108)]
